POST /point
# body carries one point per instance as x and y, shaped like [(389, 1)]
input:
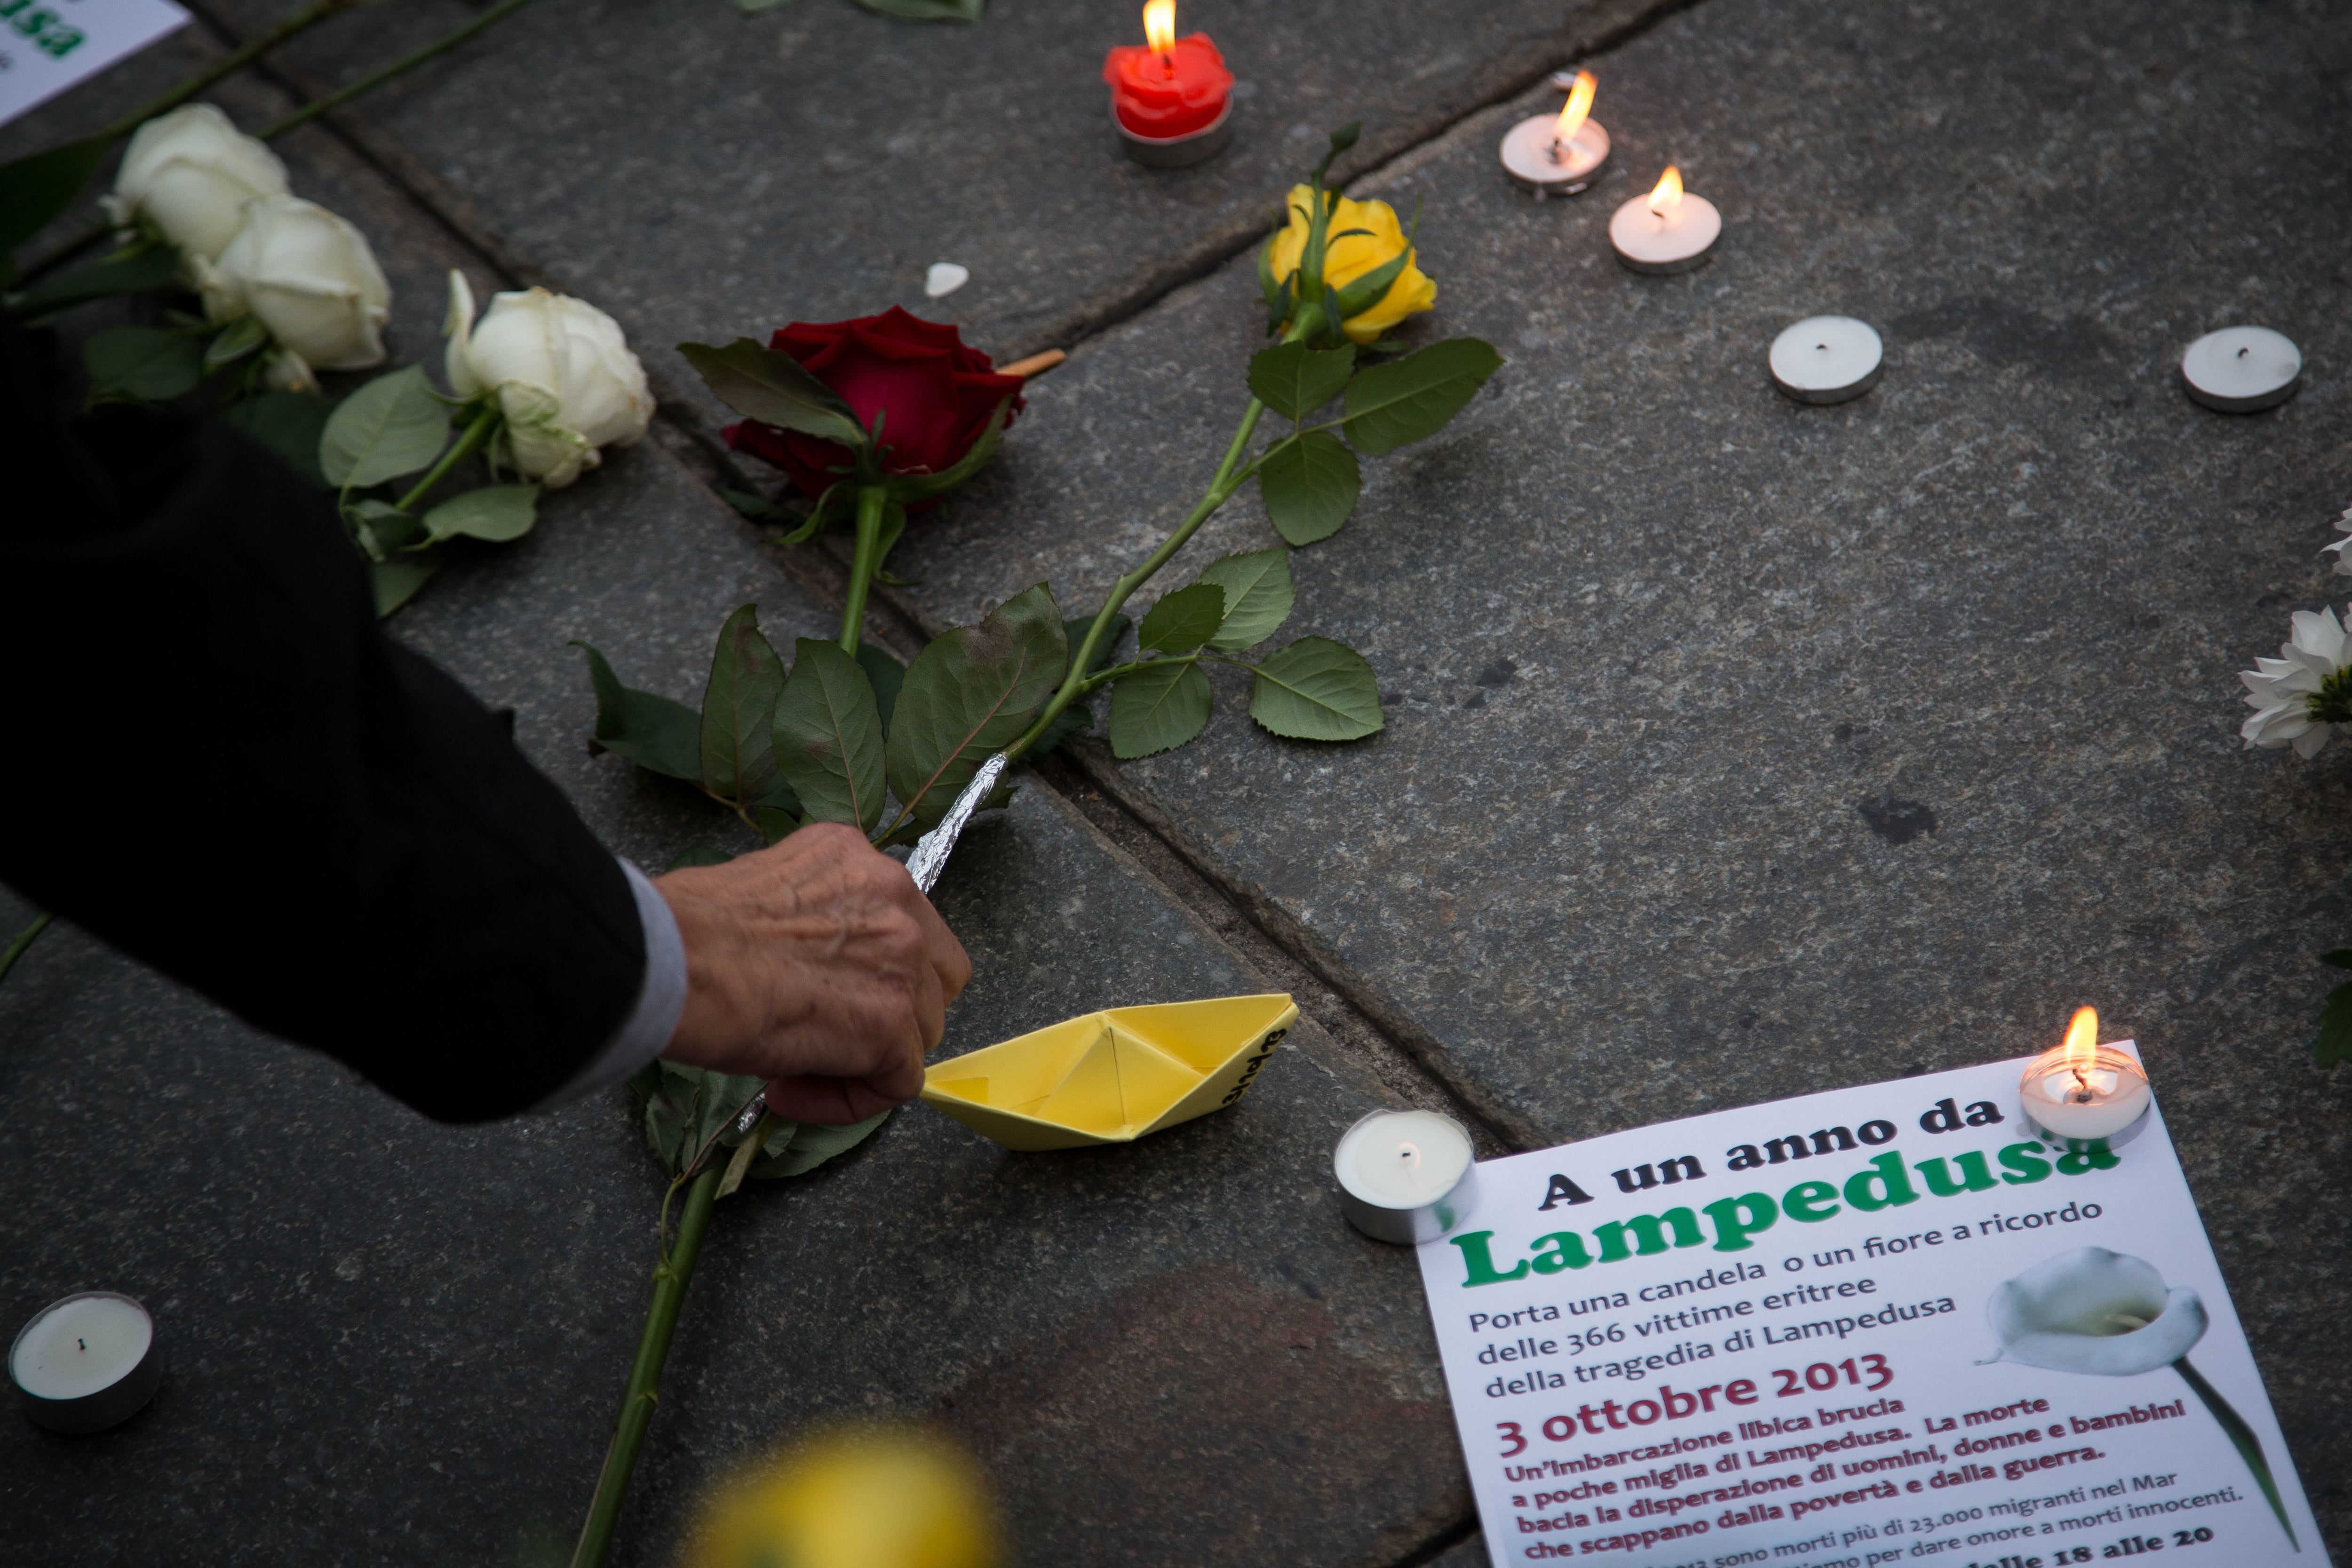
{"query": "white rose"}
[(189, 174), (565, 376), (2091, 1310), (311, 280)]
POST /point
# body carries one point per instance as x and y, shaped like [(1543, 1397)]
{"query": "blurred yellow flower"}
[(855, 1498), (1345, 260)]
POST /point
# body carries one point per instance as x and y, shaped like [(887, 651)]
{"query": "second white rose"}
[(563, 373), (309, 277)]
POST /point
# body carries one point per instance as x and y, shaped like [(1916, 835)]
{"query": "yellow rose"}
[(875, 1497), (1345, 260)]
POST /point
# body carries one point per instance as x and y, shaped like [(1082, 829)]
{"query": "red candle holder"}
[(1171, 98)]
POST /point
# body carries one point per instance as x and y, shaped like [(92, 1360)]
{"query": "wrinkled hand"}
[(816, 964)]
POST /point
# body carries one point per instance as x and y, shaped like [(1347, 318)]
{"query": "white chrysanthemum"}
[(2343, 563), (2300, 697)]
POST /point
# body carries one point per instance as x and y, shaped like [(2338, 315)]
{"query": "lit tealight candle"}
[(2084, 1095), (1560, 154), (1669, 230), (86, 1362), (2242, 370), (1406, 1176), (1171, 98)]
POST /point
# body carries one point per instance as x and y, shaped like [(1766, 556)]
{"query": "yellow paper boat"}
[(1112, 1076)]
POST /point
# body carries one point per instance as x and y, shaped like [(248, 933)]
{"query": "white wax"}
[(2240, 370), (1533, 156), (80, 1345), (2117, 1096), (1403, 1159), (1826, 358), (1648, 243)]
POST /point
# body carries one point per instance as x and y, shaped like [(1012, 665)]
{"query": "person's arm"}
[(220, 764)]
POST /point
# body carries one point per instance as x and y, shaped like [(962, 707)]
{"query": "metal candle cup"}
[(86, 1362), (1406, 1176), (2082, 1096)]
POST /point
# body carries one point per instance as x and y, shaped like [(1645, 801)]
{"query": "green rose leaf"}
[(289, 424), (234, 341), (886, 675), (828, 737), (1397, 404), (35, 190), (739, 757), (770, 386), (147, 364), (1160, 706), (1295, 380), (1310, 483), (379, 526), (395, 582), (653, 732), (494, 513), (150, 269), (796, 1148), (1317, 690), (390, 426), (1258, 596), (1183, 620), (971, 693), (685, 1107)]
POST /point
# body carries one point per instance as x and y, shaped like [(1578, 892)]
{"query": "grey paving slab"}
[(1738, 748), (700, 173), (395, 1341)]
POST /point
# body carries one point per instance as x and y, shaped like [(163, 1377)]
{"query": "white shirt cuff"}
[(661, 997)]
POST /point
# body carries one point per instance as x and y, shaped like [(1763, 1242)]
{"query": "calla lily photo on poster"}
[(2105, 1315)]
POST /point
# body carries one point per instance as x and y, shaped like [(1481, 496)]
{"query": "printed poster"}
[(48, 46)]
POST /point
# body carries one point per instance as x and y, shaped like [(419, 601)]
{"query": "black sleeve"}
[(215, 761)]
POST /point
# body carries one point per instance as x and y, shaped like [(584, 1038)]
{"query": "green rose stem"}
[(2250, 1448), (25, 939), (484, 425), (243, 56), (872, 502), (671, 1273), (1232, 474)]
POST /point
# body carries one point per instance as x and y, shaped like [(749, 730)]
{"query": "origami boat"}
[(1112, 1076)]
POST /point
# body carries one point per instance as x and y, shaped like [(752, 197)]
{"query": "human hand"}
[(816, 964)]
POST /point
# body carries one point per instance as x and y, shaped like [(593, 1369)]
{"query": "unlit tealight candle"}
[(86, 1362), (2242, 370), (1827, 359), (1405, 1175)]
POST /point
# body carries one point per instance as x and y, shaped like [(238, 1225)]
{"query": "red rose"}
[(935, 394)]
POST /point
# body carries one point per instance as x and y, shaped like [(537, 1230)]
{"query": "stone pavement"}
[(1736, 748)]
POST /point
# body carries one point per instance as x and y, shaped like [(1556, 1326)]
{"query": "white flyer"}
[(1877, 1326), (48, 46)]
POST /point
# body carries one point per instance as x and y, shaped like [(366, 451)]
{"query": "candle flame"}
[(1580, 107), (1159, 25), (2082, 1045), (1667, 198)]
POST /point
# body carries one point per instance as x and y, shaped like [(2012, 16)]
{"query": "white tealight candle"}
[(86, 1362), (1669, 230), (1559, 154), (2084, 1095), (1827, 359), (1405, 1175), (2242, 370)]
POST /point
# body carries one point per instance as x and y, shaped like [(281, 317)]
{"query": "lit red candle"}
[(1168, 88)]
